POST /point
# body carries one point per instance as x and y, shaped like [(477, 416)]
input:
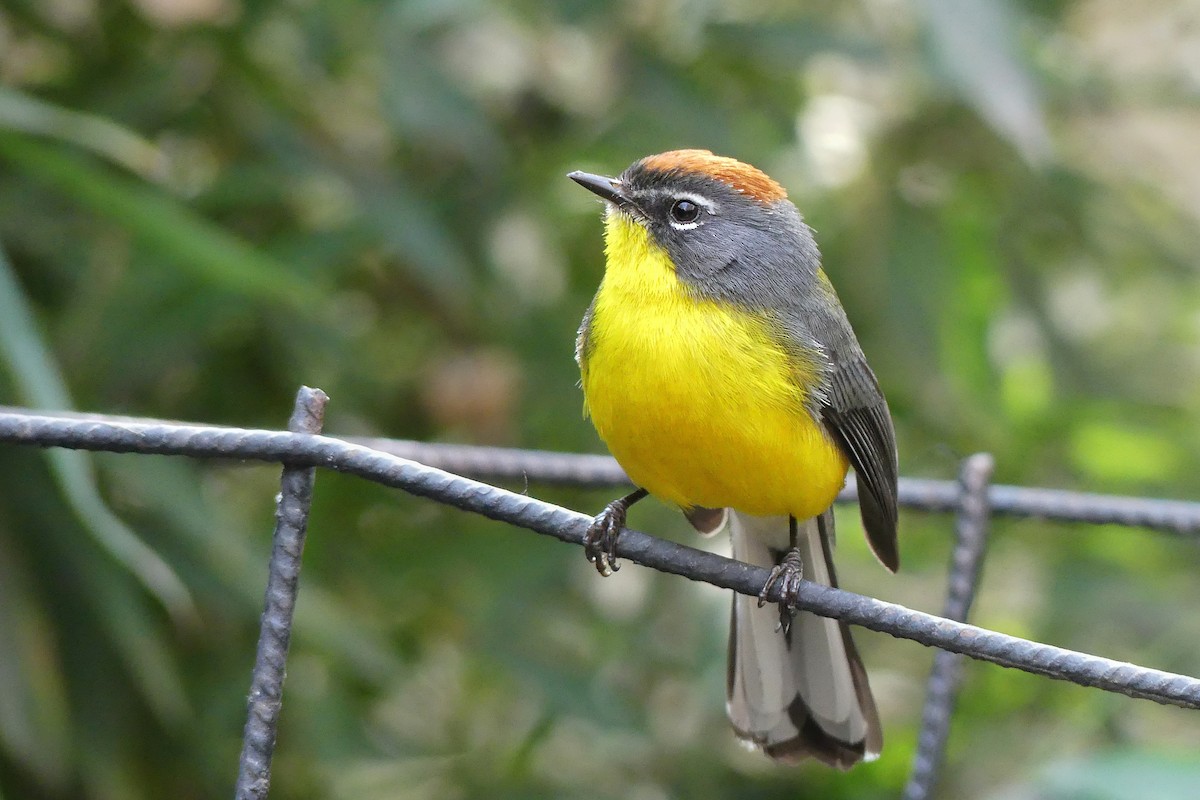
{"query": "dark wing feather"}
[(856, 413)]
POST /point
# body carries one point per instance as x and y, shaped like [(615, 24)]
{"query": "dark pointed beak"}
[(608, 188)]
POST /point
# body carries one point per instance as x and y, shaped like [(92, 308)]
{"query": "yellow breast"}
[(695, 399)]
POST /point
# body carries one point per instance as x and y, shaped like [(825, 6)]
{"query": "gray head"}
[(729, 229)]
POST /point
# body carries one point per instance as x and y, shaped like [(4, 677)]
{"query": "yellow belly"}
[(694, 400)]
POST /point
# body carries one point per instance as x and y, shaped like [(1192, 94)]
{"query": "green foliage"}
[(205, 204)]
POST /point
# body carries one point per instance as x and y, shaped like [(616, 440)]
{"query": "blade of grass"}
[(40, 385), (34, 715), (20, 112)]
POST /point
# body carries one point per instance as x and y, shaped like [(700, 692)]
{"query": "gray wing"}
[(852, 407), (856, 414)]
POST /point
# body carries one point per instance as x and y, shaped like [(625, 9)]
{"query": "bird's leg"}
[(787, 575), (600, 541)]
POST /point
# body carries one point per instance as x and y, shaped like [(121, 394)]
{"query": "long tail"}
[(804, 693)]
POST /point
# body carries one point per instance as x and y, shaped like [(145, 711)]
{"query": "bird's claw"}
[(786, 578), (600, 541)]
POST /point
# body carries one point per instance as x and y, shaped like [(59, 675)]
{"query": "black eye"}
[(685, 211)]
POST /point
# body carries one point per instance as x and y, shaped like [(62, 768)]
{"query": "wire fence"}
[(440, 473)]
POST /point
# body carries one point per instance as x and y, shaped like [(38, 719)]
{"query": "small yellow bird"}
[(720, 369)]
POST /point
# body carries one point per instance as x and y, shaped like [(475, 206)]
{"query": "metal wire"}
[(495, 503), (279, 604), (966, 562), (924, 494), (594, 471)]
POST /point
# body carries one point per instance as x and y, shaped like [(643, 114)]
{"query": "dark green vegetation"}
[(204, 204)]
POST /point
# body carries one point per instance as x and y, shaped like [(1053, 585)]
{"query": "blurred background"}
[(206, 203)]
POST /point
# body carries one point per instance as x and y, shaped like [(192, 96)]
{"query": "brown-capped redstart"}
[(720, 369)]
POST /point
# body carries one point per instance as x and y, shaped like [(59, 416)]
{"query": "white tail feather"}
[(804, 693)]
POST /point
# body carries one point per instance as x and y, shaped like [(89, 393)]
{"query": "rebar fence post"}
[(941, 694), (279, 605)]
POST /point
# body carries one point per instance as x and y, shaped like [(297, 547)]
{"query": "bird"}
[(718, 366)]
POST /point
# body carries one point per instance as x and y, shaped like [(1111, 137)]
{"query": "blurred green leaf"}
[(1121, 775), (1111, 451), (166, 489), (135, 632), (976, 45), (190, 242)]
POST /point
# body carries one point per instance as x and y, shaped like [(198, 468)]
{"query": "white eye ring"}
[(702, 205)]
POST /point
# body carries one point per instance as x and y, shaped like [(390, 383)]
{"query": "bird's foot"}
[(786, 577), (600, 541)]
